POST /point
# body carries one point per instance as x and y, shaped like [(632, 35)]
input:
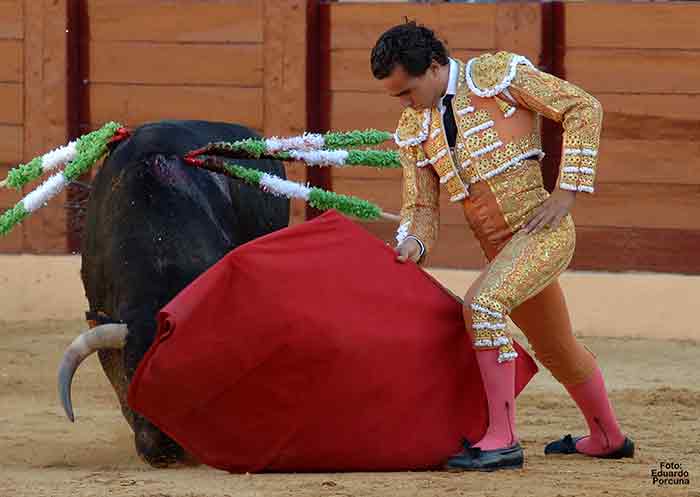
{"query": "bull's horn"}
[(106, 336)]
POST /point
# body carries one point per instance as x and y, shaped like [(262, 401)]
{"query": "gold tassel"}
[(506, 108)]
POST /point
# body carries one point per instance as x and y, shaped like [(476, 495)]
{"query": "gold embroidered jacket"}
[(497, 108)]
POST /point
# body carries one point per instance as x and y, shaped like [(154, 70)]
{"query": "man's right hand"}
[(408, 249)]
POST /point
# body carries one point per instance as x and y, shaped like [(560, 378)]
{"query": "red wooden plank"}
[(186, 21), (135, 104), (11, 103), (11, 63), (597, 248), (175, 63), (619, 205), (603, 70), (632, 24), (10, 144), (460, 26), (637, 249), (11, 19)]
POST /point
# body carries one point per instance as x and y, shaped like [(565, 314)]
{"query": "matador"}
[(472, 129)]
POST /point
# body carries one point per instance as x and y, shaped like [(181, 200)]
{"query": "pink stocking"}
[(592, 399), (499, 384)]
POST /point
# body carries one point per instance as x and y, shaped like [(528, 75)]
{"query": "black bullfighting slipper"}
[(476, 459), (567, 445)]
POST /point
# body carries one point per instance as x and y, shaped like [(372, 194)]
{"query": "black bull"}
[(153, 225)]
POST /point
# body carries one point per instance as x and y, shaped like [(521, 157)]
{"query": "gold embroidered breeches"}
[(521, 279)]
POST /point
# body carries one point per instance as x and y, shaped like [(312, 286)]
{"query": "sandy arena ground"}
[(654, 389)]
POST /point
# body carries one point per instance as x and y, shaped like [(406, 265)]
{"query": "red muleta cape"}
[(312, 349)]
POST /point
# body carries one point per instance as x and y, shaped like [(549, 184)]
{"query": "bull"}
[(153, 224)]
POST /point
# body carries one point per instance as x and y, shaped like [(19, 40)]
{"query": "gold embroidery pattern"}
[(472, 120), (527, 264), (420, 211), (410, 124), (474, 142), (519, 191), (490, 328), (466, 117), (466, 166), (506, 109), (489, 70), (503, 159), (580, 113), (436, 146)]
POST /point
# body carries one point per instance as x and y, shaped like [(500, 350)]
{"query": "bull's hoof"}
[(158, 450), (190, 460)]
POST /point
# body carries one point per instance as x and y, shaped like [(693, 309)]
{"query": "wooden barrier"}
[(256, 62), (641, 60)]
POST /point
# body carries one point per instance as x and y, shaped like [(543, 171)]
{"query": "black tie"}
[(449, 120)]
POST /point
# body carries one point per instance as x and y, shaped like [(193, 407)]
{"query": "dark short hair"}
[(409, 44)]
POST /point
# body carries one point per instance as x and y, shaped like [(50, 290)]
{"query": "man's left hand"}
[(552, 211)]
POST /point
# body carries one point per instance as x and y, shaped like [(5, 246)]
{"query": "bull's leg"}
[(155, 447)]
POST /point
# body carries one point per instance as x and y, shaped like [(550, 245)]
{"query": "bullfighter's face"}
[(420, 92)]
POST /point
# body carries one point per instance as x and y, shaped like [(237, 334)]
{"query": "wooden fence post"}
[(11, 110), (45, 112), (318, 60), (286, 104), (552, 61)]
